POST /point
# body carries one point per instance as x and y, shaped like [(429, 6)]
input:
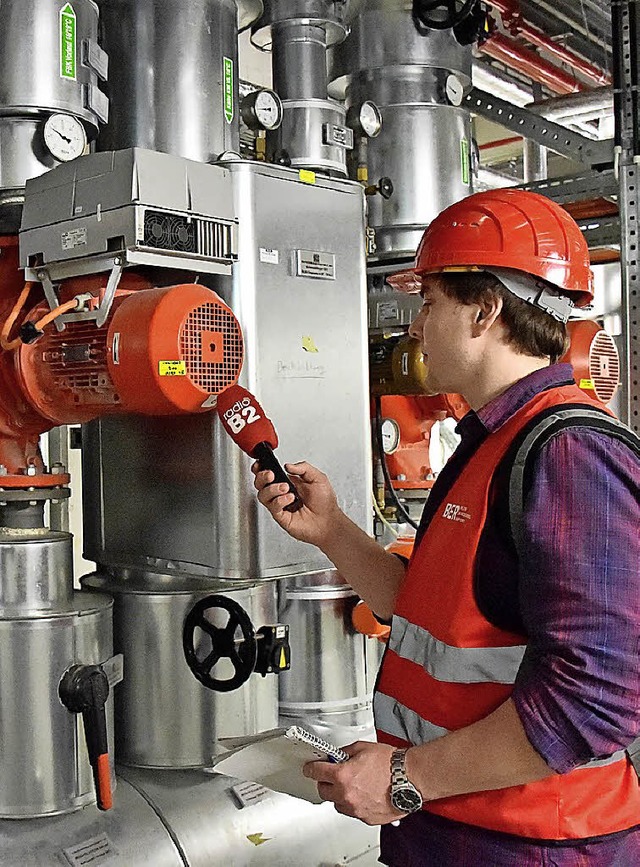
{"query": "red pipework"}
[(515, 56), (512, 18)]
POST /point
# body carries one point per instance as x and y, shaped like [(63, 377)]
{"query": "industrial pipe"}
[(510, 10), (516, 56)]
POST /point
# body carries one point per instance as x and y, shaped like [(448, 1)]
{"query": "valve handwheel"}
[(235, 641), (448, 13)]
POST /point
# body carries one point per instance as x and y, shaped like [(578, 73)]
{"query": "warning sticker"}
[(172, 368), (587, 383)]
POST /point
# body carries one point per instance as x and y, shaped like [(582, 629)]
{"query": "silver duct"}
[(174, 83), (424, 146), (312, 134), (49, 62)]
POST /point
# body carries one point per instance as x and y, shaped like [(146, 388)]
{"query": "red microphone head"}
[(244, 419)]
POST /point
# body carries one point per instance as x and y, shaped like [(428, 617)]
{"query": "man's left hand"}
[(360, 786)]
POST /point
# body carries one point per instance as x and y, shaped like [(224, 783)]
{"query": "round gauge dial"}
[(454, 89), (268, 109), (390, 436), (370, 119), (65, 137)]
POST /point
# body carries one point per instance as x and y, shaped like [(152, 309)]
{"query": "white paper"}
[(273, 760)]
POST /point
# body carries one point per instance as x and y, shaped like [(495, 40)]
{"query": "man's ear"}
[(487, 310)]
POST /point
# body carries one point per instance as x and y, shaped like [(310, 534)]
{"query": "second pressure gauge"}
[(370, 118), (262, 109), (390, 435), (65, 137)]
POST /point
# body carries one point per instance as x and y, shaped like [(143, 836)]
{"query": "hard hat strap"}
[(534, 291)]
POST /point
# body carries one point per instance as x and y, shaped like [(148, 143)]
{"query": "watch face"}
[(406, 799)]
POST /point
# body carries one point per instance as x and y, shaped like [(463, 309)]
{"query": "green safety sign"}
[(227, 65), (464, 160), (68, 42)]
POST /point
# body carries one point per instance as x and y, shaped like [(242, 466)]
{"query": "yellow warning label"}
[(306, 176), (308, 344), (587, 383), (363, 173), (172, 368), (283, 659)]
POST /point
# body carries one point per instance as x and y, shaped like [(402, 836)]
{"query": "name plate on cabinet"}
[(321, 266)]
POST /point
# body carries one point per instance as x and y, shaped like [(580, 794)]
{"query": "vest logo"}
[(454, 512)]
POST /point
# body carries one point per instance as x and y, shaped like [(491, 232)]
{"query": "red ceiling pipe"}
[(515, 56), (500, 142), (512, 17)]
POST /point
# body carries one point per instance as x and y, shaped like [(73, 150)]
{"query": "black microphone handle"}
[(263, 453)]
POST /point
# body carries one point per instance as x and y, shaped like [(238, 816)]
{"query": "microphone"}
[(246, 423)]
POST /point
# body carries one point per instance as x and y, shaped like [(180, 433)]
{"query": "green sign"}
[(464, 160), (68, 42), (227, 65)]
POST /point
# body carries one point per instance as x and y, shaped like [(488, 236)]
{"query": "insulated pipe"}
[(512, 54), (597, 101), (299, 47), (512, 19)]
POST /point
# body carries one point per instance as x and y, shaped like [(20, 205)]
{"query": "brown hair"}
[(529, 329)]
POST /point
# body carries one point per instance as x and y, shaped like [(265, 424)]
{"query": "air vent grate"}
[(211, 346), (604, 364), (181, 234)]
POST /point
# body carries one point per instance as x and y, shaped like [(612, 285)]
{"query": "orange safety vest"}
[(447, 666)]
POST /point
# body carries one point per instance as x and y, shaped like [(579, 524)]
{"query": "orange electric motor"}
[(595, 359), (162, 351)]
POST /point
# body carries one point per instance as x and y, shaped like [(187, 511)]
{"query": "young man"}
[(510, 687)]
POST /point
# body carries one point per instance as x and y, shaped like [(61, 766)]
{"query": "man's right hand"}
[(316, 520)]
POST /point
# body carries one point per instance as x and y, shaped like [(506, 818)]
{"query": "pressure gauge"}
[(262, 109), (390, 436), (65, 137), (370, 119), (454, 90)]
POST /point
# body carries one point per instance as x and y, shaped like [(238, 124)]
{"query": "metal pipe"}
[(575, 104), (299, 60), (512, 19), (512, 54)]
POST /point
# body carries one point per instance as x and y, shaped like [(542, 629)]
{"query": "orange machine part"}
[(415, 416), (365, 622), (163, 351), (595, 359)]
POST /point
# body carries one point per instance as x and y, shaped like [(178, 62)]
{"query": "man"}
[(509, 690)]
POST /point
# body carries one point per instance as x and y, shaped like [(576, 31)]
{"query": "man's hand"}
[(359, 787), (316, 520)]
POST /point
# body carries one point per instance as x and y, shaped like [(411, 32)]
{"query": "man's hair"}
[(528, 329)]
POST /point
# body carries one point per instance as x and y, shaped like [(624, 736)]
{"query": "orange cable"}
[(5, 343)]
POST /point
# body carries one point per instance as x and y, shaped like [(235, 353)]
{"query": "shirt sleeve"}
[(578, 689)]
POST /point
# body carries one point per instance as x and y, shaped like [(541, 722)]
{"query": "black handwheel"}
[(241, 649), (452, 17)]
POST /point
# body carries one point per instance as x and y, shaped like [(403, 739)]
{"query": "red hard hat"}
[(507, 229)]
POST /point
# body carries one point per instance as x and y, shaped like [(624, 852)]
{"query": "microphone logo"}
[(242, 413)]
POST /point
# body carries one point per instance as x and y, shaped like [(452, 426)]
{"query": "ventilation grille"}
[(604, 366), (204, 329), (179, 234)]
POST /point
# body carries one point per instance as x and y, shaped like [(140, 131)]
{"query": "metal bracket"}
[(545, 132), (100, 314), (574, 188)]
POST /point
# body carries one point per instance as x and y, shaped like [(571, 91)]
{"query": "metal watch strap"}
[(398, 770)]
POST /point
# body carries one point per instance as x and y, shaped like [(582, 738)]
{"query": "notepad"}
[(275, 759)]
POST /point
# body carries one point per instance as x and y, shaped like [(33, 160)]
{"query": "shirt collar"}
[(499, 410)]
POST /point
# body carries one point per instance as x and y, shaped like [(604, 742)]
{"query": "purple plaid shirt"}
[(578, 595)]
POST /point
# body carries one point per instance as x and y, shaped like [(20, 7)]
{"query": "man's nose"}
[(415, 329)]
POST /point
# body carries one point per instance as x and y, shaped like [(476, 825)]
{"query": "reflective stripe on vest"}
[(397, 720), (454, 664)]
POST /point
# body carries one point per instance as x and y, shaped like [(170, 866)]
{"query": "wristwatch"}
[(404, 795)]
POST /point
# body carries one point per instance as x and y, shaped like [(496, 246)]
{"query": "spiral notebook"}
[(275, 759)]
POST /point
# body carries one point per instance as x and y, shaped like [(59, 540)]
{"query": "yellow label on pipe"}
[(306, 176)]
